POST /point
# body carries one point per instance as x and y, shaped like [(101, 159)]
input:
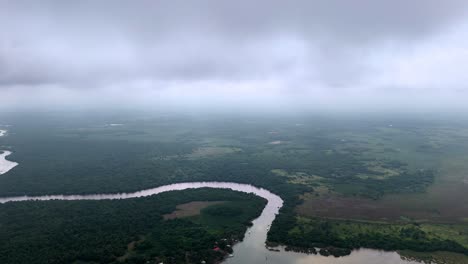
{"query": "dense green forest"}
[(349, 157), (90, 156), (100, 231)]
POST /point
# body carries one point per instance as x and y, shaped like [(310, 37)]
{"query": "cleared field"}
[(190, 209), (298, 177), (205, 152)]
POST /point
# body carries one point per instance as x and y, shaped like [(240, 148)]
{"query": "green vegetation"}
[(100, 231), (408, 169), (142, 154), (350, 234)]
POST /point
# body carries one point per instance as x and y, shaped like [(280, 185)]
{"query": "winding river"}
[(252, 250)]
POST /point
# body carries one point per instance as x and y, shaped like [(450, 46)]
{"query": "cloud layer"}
[(330, 54)]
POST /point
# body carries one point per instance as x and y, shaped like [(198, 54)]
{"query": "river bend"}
[(252, 249)]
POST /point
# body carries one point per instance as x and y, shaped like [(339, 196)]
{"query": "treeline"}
[(100, 231), (56, 165), (325, 232)]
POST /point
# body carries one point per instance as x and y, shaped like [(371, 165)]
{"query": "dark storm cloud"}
[(322, 50)]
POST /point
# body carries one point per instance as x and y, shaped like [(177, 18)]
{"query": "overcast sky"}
[(298, 54)]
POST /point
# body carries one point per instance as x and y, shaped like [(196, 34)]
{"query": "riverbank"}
[(129, 230), (252, 249)]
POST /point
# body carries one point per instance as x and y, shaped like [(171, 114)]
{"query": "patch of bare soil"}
[(189, 209), (392, 208)]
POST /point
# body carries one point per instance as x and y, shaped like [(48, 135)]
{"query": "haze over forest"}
[(235, 132), (288, 55)]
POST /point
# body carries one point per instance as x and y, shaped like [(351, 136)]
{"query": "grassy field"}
[(189, 209)]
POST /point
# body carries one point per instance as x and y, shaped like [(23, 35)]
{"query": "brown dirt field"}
[(437, 205), (190, 209), (354, 208)]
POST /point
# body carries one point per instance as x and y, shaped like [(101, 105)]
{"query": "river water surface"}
[(252, 250), (6, 165)]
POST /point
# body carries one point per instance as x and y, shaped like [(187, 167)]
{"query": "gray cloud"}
[(323, 52)]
